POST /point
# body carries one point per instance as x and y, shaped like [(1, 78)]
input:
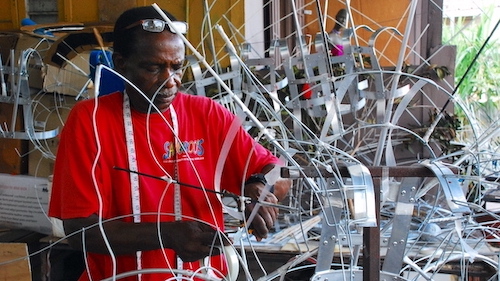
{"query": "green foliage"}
[(480, 89)]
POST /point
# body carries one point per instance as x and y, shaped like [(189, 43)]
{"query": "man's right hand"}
[(192, 240)]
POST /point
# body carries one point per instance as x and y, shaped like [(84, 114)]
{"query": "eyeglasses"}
[(157, 25)]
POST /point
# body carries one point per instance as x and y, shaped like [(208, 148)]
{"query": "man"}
[(135, 175)]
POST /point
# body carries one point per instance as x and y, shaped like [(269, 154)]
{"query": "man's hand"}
[(265, 217), (281, 188), (192, 240)]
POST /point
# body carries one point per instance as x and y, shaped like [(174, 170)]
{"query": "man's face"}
[(155, 67)]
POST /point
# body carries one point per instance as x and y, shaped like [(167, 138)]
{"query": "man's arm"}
[(191, 240)]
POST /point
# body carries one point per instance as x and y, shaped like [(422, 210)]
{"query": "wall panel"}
[(78, 10), (13, 12), (109, 10)]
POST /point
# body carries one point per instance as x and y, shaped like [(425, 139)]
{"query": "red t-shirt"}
[(90, 148)]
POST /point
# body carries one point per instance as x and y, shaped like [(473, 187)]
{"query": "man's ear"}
[(119, 62)]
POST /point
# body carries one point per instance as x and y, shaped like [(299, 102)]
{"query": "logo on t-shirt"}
[(186, 149)]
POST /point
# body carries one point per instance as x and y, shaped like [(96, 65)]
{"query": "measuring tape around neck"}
[(177, 187), (134, 177), (177, 148), (132, 158), (132, 162)]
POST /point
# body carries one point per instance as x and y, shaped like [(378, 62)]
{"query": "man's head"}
[(127, 27), (149, 54)]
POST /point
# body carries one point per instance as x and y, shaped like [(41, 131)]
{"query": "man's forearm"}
[(122, 237)]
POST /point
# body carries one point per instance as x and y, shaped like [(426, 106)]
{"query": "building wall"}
[(12, 14), (373, 14), (254, 32)]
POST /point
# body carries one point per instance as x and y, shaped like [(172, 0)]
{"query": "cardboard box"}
[(17, 265), (51, 113)]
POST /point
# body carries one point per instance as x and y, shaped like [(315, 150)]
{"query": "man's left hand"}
[(265, 216)]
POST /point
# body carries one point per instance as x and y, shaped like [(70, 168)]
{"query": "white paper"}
[(24, 203)]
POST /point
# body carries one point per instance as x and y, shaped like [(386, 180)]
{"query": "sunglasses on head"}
[(157, 25)]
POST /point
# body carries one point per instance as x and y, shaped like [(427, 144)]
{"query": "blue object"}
[(27, 21), (41, 31), (109, 82)]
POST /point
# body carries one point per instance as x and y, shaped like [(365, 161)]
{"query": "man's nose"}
[(170, 79)]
